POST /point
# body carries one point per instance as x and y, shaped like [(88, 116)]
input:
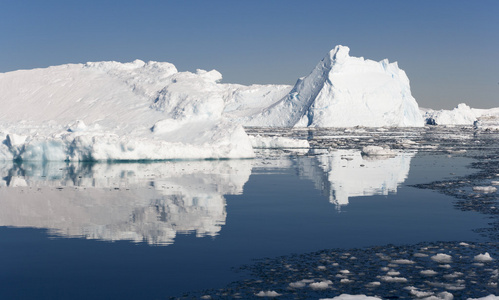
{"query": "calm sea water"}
[(150, 231)]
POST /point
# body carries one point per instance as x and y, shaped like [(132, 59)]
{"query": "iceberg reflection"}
[(153, 202), (136, 202), (342, 174)]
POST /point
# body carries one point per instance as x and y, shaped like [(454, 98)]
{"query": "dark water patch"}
[(475, 192)]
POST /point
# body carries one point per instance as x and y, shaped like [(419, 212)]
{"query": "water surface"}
[(155, 230)]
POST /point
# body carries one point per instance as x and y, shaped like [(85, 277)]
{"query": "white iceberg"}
[(105, 111), (460, 115), (345, 91), (116, 111)]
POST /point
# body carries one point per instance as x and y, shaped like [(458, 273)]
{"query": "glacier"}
[(111, 111)]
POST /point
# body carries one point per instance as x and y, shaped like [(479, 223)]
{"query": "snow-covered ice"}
[(352, 297), (489, 297), (463, 114), (258, 141), (485, 189), (270, 294), (485, 257), (104, 111), (345, 91), (116, 111), (442, 258), (320, 285)]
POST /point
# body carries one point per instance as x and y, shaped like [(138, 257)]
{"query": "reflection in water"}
[(153, 202), (346, 173), (137, 202)]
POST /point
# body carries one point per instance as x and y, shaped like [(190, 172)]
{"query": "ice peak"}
[(339, 53)]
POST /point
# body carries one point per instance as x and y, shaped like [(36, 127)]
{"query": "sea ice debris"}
[(377, 151), (270, 294), (483, 257), (442, 258), (353, 297), (485, 189)]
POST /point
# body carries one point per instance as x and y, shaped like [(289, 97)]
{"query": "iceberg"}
[(116, 111), (463, 114), (345, 91), (111, 111)]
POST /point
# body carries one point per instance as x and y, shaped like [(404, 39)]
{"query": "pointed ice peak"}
[(339, 53)]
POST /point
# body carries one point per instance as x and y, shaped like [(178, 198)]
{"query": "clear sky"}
[(448, 48)]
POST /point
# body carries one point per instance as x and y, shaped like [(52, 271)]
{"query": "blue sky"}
[(449, 49)]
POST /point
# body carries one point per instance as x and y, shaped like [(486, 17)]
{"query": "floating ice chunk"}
[(345, 272), (403, 262), (442, 258), (373, 284), (352, 297), (270, 294), (441, 296), (494, 182), (417, 293), (322, 285), (298, 284), (393, 273), (393, 279), (377, 151), (428, 272), (407, 142), (448, 286), (485, 189), (463, 243), (489, 297), (420, 255), (277, 142), (487, 122), (321, 268), (483, 257), (346, 280)]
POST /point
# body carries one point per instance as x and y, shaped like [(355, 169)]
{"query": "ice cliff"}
[(345, 91)]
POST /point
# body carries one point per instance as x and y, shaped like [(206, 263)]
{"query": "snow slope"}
[(345, 91), (116, 111)]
